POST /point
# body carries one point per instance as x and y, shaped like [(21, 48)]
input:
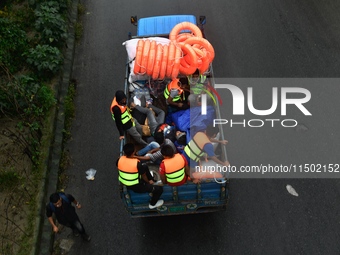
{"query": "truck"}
[(210, 194)]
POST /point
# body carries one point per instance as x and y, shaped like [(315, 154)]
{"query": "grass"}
[(8, 180), (78, 26), (65, 159), (26, 243)]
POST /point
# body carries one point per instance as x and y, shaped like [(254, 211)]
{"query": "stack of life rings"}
[(185, 53)]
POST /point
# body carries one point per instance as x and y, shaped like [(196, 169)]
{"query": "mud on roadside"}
[(16, 186)]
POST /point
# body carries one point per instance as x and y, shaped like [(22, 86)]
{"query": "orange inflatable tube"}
[(175, 69), (190, 67), (138, 59), (205, 62), (182, 37), (171, 59), (145, 57), (199, 53), (158, 61), (164, 62), (184, 26), (151, 59), (203, 43)]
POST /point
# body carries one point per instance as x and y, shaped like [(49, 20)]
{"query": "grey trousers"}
[(152, 120), (136, 133)]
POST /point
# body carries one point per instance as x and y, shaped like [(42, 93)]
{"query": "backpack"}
[(63, 197)]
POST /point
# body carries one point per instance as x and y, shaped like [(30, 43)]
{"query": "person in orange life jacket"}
[(174, 94), (124, 121), (60, 205), (201, 145), (136, 176), (174, 169)]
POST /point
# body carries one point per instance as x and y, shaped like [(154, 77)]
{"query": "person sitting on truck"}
[(174, 169), (124, 121), (141, 113), (198, 86), (136, 176), (175, 97), (181, 141), (155, 154), (201, 145)]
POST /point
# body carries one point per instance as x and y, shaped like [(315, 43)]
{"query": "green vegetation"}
[(45, 59), (32, 40), (8, 179)]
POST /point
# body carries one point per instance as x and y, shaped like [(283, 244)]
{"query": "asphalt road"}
[(252, 39)]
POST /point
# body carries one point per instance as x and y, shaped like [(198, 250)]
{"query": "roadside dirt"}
[(16, 186)]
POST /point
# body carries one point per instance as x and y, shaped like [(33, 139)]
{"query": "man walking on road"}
[(61, 205)]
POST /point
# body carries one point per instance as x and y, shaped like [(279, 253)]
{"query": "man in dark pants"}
[(124, 121), (136, 176), (61, 205)]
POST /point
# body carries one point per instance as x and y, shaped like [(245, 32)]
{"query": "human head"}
[(181, 138), (54, 198), (212, 131), (175, 84), (193, 79), (120, 97), (196, 73), (167, 151), (129, 149), (159, 137)]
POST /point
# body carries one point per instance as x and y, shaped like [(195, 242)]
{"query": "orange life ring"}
[(158, 61), (138, 59), (151, 59), (175, 69), (184, 26), (171, 59), (199, 53), (145, 56), (191, 67), (164, 62), (205, 44), (184, 63), (182, 37), (205, 62), (204, 67)]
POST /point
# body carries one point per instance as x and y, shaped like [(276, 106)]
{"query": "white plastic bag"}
[(90, 174)]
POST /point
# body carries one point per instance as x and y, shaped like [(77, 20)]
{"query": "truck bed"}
[(207, 196)]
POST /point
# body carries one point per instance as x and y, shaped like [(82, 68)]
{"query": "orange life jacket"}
[(125, 113), (174, 168), (128, 171)]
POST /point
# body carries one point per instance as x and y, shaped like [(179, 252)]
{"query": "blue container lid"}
[(161, 25)]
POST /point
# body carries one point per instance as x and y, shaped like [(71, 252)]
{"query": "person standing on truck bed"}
[(136, 176), (124, 121), (174, 169), (200, 145)]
